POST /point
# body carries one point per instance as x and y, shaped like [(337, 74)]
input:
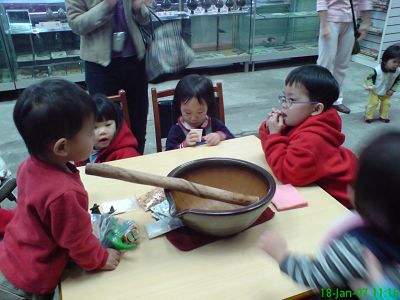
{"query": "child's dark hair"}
[(107, 110), (197, 86), (318, 81), (392, 51), (376, 189), (50, 110)]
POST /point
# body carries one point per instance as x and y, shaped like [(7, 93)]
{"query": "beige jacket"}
[(92, 20)]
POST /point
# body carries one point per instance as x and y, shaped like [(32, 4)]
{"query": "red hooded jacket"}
[(5, 218), (51, 225), (122, 146), (312, 153)]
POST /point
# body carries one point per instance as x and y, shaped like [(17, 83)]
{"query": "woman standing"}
[(113, 50), (336, 37)]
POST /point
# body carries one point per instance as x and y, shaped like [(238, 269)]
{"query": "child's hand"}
[(273, 244), (368, 87), (325, 32), (191, 139), (212, 139), (111, 3), (389, 93), (275, 121), (375, 272), (112, 260)]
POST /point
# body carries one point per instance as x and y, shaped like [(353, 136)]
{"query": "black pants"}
[(126, 73)]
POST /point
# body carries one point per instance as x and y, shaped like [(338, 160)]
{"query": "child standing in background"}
[(375, 226), (382, 83), (51, 224), (303, 141), (113, 138), (194, 105)]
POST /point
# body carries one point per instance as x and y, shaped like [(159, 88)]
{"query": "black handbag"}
[(166, 50), (356, 46)]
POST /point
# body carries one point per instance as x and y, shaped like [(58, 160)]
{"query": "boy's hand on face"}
[(275, 121), (113, 260), (389, 93), (273, 244), (111, 3), (212, 139), (191, 139)]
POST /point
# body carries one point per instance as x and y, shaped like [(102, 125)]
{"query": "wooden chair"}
[(7, 186), (164, 115), (120, 99)]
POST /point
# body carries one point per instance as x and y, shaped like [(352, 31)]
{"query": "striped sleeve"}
[(334, 267)]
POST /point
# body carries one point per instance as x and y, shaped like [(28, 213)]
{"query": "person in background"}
[(4, 171), (194, 106), (113, 139), (381, 83), (375, 225), (303, 141), (336, 38), (113, 50), (51, 224)]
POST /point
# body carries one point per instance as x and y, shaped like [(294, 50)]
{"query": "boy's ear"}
[(60, 147), (318, 109)]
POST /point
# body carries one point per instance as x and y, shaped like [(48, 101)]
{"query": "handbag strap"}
[(152, 12), (354, 18)]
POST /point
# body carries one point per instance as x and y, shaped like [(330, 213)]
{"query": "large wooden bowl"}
[(215, 217)]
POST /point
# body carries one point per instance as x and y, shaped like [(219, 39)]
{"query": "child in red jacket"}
[(113, 138), (302, 141), (51, 224)]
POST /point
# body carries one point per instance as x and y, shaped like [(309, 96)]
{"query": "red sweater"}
[(5, 218), (51, 224), (122, 146), (312, 152)]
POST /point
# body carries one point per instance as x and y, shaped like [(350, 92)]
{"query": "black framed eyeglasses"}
[(287, 102)]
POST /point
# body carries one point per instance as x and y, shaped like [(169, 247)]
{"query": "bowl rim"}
[(244, 209)]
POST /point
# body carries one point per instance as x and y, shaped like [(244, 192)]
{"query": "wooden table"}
[(232, 268)]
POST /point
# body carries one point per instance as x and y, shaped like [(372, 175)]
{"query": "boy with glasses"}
[(302, 141)]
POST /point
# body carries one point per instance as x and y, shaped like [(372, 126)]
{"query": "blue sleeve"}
[(217, 125), (175, 138)]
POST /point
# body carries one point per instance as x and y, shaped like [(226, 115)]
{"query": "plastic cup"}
[(199, 133)]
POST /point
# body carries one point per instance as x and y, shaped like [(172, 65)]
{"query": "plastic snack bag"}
[(113, 232), (151, 198)]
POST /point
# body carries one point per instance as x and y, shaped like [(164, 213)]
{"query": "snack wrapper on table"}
[(113, 232), (148, 200)]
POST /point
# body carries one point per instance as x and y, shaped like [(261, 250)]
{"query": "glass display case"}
[(40, 41), (219, 31), (284, 29), (6, 78)]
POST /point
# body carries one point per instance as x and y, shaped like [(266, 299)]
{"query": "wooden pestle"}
[(170, 183)]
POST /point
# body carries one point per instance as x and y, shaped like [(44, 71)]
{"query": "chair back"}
[(120, 99), (164, 115)]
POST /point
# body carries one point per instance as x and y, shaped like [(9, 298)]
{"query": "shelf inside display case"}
[(44, 46), (284, 29)]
